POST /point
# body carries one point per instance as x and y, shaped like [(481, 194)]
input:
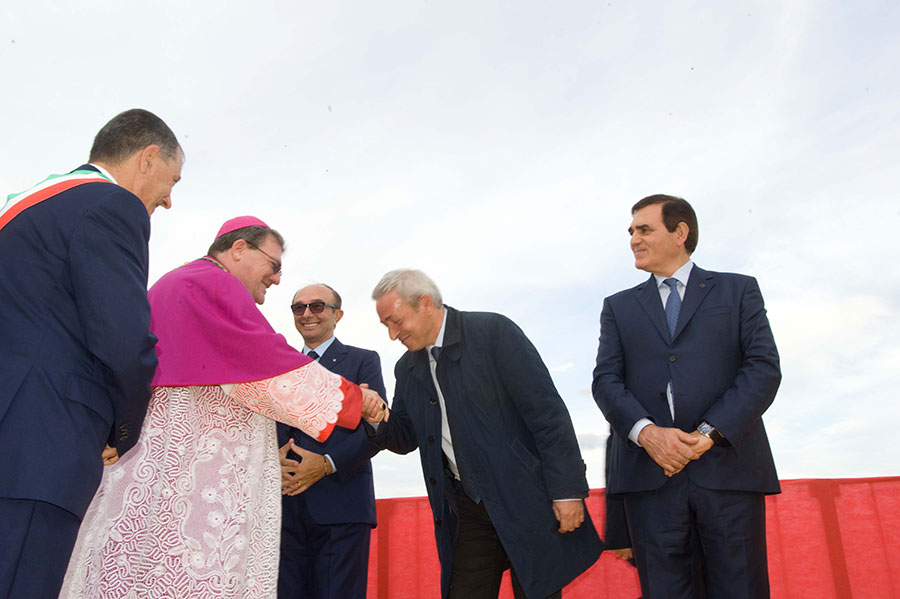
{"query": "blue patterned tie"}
[(313, 355), (673, 305)]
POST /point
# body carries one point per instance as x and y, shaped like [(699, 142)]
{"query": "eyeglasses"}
[(276, 264), (315, 307)]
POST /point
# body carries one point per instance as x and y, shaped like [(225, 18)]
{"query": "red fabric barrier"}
[(827, 538)]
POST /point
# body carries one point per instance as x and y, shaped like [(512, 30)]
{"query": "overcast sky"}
[(499, 146)]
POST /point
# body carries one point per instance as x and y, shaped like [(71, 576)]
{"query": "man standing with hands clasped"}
[(685, 369), (328, 510), (504, 474)]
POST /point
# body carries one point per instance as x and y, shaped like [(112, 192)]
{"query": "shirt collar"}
[(681, 275), (321, 348), (439, 342), (104, 172)]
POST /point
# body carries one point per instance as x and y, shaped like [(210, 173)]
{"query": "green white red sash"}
[(49, 187)]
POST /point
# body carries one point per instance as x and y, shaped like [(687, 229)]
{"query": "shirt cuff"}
[(636, 430)]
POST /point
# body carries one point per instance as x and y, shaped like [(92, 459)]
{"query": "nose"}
[(166, 202), (276, 278), (393, 332)]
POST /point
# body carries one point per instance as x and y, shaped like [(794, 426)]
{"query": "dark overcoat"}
[(516, 437)]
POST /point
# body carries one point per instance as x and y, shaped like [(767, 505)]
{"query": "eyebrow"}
[(639, 228)]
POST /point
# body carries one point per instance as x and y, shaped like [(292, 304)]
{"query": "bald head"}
[(316, 328)]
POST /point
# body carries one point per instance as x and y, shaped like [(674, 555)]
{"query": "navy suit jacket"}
[(348, 495), (724, 369), (76, 352), (517, 439)]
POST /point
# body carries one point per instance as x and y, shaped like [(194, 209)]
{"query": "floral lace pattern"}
[(308, 398), (194, 509)]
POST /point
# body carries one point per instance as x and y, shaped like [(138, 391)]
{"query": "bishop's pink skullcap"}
[(239, 222)]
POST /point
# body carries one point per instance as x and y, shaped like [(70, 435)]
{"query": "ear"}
[(338, 315), (147, 158), (681, 232), (238, 248), (426, 303)]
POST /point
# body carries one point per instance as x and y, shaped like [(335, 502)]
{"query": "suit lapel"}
[(648, 297), (335, 354), (698, 285)]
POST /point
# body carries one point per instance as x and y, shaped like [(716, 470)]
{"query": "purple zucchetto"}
[(239, 222)]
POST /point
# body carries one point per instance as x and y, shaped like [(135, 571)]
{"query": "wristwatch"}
[(710, 432)]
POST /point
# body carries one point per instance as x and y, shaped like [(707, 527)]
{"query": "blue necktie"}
[(313, 355), (673, 305)]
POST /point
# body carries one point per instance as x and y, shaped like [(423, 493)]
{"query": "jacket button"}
[(438, 522), (672, 358), (431, 438), (662, 395), (432, 481), (433, 401)]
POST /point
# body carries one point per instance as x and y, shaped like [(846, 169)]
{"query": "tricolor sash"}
[(49, 187)]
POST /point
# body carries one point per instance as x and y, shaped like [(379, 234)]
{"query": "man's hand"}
[(625, 553), (671, 448), (110, 455), (703, 445), (297, 477), (374, 408), (570, 514)]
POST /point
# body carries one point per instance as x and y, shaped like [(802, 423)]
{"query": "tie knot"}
[(672, 283), (436, 352), (313, 355)]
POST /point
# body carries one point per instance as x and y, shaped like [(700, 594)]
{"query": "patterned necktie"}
[(435, 352), (673, 305), (313, 355)]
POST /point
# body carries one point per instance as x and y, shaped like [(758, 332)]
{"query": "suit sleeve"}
[(109, 263), (356, 449), (620, 407), (759, 376), (531, 388), (397, 434)]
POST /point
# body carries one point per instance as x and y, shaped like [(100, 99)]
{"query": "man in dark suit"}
[(685, 369), (502, 466), (328, 510), (75, 345)]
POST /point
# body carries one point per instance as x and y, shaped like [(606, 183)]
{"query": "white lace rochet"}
[(194, 509)]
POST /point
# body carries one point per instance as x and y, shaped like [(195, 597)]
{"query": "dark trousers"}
[(321, 561), (681, 524), (36, 541), (478, 557)]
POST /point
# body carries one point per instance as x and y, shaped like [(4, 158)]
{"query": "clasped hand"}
[(672, 448), (374, 408), (297, 477)]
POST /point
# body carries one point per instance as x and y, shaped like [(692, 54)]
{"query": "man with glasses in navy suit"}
[(328, 508)]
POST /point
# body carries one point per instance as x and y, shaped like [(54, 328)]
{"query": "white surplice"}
[(193, 511)]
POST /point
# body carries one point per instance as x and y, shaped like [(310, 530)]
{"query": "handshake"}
[(374, 408)]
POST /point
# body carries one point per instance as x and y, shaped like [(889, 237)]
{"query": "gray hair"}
[(410, 284)]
